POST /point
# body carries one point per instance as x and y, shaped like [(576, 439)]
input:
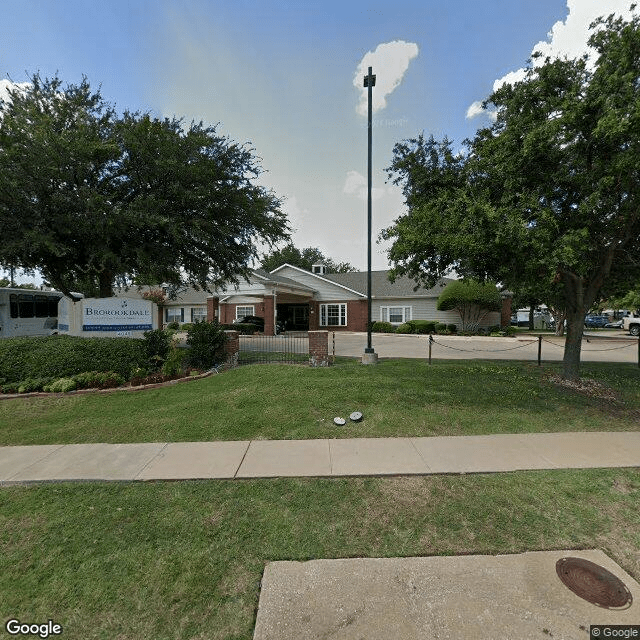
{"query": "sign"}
[(116, 314)]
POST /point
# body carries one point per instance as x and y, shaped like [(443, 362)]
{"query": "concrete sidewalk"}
[(319, 458)]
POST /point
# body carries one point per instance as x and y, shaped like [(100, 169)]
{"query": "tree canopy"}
[(304, 259), (546, 196), (91, 198)]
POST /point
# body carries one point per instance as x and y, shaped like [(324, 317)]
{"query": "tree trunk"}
[(573, 344), (106, 284), (531, 325)]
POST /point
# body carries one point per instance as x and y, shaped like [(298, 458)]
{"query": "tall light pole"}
[(370, 356)]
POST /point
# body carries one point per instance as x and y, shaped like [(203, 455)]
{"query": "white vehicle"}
[(632, 325), (28, 312)]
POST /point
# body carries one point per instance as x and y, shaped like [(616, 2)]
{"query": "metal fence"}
[(288, 348)]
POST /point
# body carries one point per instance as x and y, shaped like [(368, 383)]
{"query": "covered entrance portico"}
[(292, 312)]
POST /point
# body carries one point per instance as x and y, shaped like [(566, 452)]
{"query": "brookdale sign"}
[(120, 315)]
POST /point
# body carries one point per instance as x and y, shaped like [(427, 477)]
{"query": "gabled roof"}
[(382, 287), (272, 277), (319, 277)]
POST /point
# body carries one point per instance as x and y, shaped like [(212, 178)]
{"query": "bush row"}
[(414, 326), (31, 364)]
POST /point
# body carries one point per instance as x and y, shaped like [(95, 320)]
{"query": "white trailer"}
[(28, 312)]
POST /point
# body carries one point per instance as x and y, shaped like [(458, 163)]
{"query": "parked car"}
[(614, 325), (595, 322), (258, 322)]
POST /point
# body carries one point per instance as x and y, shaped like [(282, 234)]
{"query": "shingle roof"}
[(282, 280), (382, 287)]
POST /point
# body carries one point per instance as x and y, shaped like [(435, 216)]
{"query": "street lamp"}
[(369, 356)]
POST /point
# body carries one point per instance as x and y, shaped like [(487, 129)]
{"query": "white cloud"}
[(6, 85), (566, 38), (389, 63), (356, 185)]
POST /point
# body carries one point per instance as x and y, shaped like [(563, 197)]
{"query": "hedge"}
[(65, 356)]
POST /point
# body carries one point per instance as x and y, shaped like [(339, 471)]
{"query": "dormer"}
[(319, 269)]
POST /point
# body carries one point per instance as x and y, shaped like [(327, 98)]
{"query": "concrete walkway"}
[(318, 458)]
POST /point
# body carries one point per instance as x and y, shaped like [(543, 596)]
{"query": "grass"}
[(133, 561), (397, 398)]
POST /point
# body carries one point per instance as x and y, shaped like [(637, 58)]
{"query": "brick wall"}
[(356, 317), (319, 348)]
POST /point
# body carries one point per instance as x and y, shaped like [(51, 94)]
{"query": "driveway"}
[(597, 346)]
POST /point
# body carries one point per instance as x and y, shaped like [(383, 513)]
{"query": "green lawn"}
[(397, 398), (183, 561)]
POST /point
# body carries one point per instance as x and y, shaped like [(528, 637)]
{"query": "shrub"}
[(10, 387), (382, 327), (62, 385), (33, 384), (422, 326), (175, 363), (157, 345), (206, 340), (98, 380), (65, 356), (441, 327), (452, 328), (405, 328), (174, 326)]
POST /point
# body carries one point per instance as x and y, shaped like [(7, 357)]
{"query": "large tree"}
[(546, 195), (91, 198), (302, 258)]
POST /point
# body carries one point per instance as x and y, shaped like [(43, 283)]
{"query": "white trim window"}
[(395, 315), (198, 314), (244, 310), (333, 315), (174, 314)]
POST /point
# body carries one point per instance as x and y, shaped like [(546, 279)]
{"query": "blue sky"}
[(280, 75)]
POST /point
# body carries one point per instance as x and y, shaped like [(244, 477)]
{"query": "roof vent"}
[(319, 269)]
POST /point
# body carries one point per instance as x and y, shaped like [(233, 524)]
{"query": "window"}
[(241, 312), (198, 314), (26, 306), (395, 315), (333, 315), (174, 314)]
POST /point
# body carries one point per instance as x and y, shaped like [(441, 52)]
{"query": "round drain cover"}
[(593, 583), (340, 421), (356, 416)]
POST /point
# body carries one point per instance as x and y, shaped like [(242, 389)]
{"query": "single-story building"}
[(302, 300)]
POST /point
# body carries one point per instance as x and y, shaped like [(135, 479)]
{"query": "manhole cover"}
[(593, 583)]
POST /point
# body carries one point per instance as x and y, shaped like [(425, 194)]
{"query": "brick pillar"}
[(319, 348), (269, 329), (505, 316), (231, 349), (212, 309)]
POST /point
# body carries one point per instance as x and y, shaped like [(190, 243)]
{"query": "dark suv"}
[(595, 322)]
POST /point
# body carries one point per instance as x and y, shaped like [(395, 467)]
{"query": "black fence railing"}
[(289, 348)]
